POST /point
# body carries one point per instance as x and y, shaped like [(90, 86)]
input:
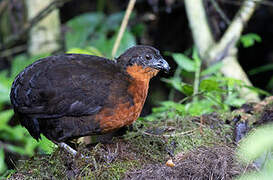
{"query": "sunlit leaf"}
[(46, 145), (209, 85), (212, 69), (3, 166), (187, 89), (249, 40), (4, 118), (184, 62), (175, 82), (234, 100), (199, 107), (5, 84), (196, 57), (168, 105), (88, 50), (80, 28)]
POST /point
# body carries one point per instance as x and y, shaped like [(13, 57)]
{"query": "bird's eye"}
[(148, 57)]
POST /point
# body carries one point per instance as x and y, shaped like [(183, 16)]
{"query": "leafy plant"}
[(209, 92), (16, 139), (249, 39), (87, 33), (257, 147), (262, 69)]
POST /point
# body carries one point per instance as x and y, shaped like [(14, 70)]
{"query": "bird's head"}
[(144, 60)]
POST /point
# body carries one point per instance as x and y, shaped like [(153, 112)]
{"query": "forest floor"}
[(179, 148)]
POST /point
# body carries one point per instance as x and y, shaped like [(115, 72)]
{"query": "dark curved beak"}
[(160, 64)]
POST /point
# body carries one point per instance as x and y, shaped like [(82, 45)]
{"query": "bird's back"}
[(56, 94)]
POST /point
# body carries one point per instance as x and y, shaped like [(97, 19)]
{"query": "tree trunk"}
[(44, 37)]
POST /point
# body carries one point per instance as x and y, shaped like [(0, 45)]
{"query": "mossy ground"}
[(148, 143), (201, 147)]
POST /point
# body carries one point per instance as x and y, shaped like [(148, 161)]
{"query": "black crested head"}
[(145, 56)]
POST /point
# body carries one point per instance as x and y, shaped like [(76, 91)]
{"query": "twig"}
[(13, 50), (46, 11), (170, 135), (239, 3), (3, 6), (220, 11), (196, 79), (6, 146), (235, 29), (123, 26)]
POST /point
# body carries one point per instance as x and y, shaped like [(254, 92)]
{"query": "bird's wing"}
[(67, 85)]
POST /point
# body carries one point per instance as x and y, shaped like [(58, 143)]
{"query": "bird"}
[(69, 96)]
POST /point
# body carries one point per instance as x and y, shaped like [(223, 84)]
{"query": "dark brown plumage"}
[(73, 95)]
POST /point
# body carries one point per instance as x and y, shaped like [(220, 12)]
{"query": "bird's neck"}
[(138, 73)]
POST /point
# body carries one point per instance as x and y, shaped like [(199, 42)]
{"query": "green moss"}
[(43, 166), (187, 134), (150, 142), (114, 170)]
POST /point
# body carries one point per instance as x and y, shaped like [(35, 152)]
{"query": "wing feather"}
[(66, 85)]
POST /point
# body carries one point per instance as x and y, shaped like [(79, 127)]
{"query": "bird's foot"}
[(70, 150)]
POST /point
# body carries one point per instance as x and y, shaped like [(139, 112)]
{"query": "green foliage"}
[(16, 139), (184, 62), (89, 50), (3, 166), (87, 33), (249, 40), (258, 145), (18, 64), (262, 69), (210, 92)]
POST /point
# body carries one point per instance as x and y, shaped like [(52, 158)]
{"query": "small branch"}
[(123, 26), (220, 11), (46, 11), (3, 6), (225, 50), (14, 50), (234, 31), (170, 135), (5, 146), (239, 3), (199, 25), (196, 79)]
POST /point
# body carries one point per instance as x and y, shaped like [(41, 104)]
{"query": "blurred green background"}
[(91, 27)]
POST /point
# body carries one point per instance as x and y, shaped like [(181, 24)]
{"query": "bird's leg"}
[(68, 149)]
